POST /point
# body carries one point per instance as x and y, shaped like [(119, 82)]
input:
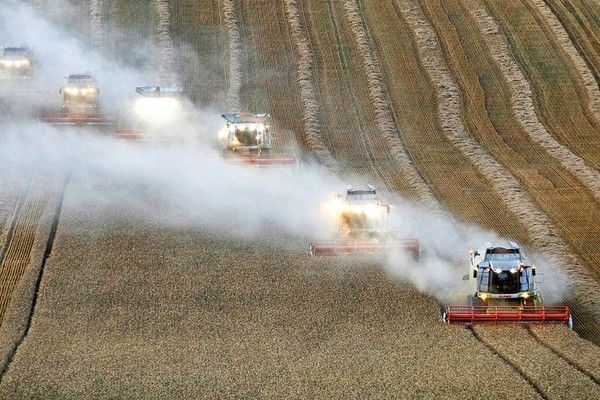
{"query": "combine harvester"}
[(16, 63), (79, 104), (504, 291), (362, 218), (156, 110), (248, 140)]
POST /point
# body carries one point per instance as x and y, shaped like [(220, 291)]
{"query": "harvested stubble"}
[(555, 378), (130, 311), (166, 48), (562, 37), (522, 101), (304, 75), (382, 108), (580, 20), (456, 181), (544, 235), (235, 56), (560, 96), (489, 114)]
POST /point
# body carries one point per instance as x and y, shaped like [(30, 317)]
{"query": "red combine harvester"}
[(504, 291), (156, 111), (79, 104), (248, 140), (362, 218)]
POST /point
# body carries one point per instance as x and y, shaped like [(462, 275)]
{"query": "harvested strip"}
[(304, 65), (543, 234), (565, 41), (97, 22), (235, 56), (166, 48), (554, 376), (381, 106), (522, 99)]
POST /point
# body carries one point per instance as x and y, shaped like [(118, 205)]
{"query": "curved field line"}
[(383, 114), (304, 66), (47, 252), (165, 43), (509, 363), (564, 40), (542, 232), (97, 22), (365, 140), (235, 56), (522, 101), (565, 358)]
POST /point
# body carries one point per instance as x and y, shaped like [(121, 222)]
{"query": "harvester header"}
[(503, 290)]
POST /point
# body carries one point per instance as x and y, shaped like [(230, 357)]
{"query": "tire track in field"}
[(542, 232), (522, 100), (305, 79), (235, 56), (509, 363), (558, 376), (166, 48), (578, 57), (47, 253), (564, 357), (382, 106)]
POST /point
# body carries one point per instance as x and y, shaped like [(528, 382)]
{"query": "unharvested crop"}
[(165, 44)]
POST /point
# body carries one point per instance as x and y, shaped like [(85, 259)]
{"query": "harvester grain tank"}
[(15, 63), (248, 139), (502, 284), (156, 110), (79, 104), (363, 227)]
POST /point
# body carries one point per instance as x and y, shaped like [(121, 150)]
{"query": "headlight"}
[(157, 109), (7, 63), (483, 296), (525, 295), (513, 271), (22, 63), (72, 91)]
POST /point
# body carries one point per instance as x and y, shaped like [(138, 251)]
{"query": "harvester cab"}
[(15, 63), (79, 94), (502, 284), (248, 139), (156, 109), (79, 104), (362, 218)]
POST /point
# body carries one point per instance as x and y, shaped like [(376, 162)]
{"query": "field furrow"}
[(304, 75), (458, 183), (559, 94), (493, 120), (522, 102), (17, 255), (541, 230), (555, 377)]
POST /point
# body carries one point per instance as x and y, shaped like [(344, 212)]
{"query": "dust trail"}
[(565, 41), (304, 76), (97, 23), (378, 95), (543, 234), (522, 102), (235, 56), (166, 47)]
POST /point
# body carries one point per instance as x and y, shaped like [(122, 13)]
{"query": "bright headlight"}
[(513, 271), (156, 109), (7, 63), (71, 91)]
